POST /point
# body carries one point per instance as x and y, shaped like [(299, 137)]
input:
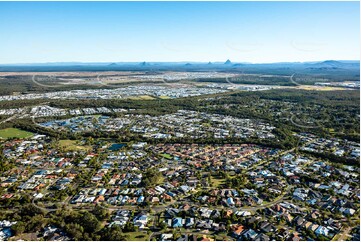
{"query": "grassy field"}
[(160, 180), (164, 97), (137, 236), (221, 237), (167, 156), (14, 133), (216, 181), (144, 97), (72, 145)]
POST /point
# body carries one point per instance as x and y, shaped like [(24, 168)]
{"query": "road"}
[(10, 118), (344, 235), (303, 126), (160, 208), (187, 232), (21, 115)]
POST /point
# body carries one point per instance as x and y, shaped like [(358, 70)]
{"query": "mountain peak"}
[(228, 62)]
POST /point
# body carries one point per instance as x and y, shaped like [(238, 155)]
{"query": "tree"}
[(100, 212), (35, 223), (31, 210), (151, 177), (75, 231), (113, 233), (163, 226), (129, 227), (18, 228), (89, 222)]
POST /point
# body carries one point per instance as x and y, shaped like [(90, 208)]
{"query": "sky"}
[(256, 32)]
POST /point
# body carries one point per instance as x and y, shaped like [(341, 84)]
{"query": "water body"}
[(116, 147)]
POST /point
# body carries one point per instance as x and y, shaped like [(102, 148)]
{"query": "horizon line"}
[(199, 62)]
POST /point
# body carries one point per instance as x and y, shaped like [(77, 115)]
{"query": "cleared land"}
[(164, 97), (72, 145), (319, 88), (144, 97)]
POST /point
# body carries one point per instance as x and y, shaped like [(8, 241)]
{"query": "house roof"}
[(238, 229)]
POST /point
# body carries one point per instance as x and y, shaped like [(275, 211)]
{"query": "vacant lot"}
[(144, 97), (72, 145), (319, 88), (164, 97), (14, 133)]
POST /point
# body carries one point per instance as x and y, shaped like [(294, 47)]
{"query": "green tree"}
[(113, 233), (100, 212), (18, 228)]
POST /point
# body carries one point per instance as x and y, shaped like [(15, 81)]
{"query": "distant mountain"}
[(332, 64), (228, 62), (334, 69)]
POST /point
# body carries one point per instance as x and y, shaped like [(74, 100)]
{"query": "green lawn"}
[(332, 131), (221, 237), (14, 133), (167, 156), (137, 236)]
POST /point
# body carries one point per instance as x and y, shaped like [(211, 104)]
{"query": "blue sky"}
[(34, 32)]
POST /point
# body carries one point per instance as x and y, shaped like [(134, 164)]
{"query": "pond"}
[(115, 147)]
